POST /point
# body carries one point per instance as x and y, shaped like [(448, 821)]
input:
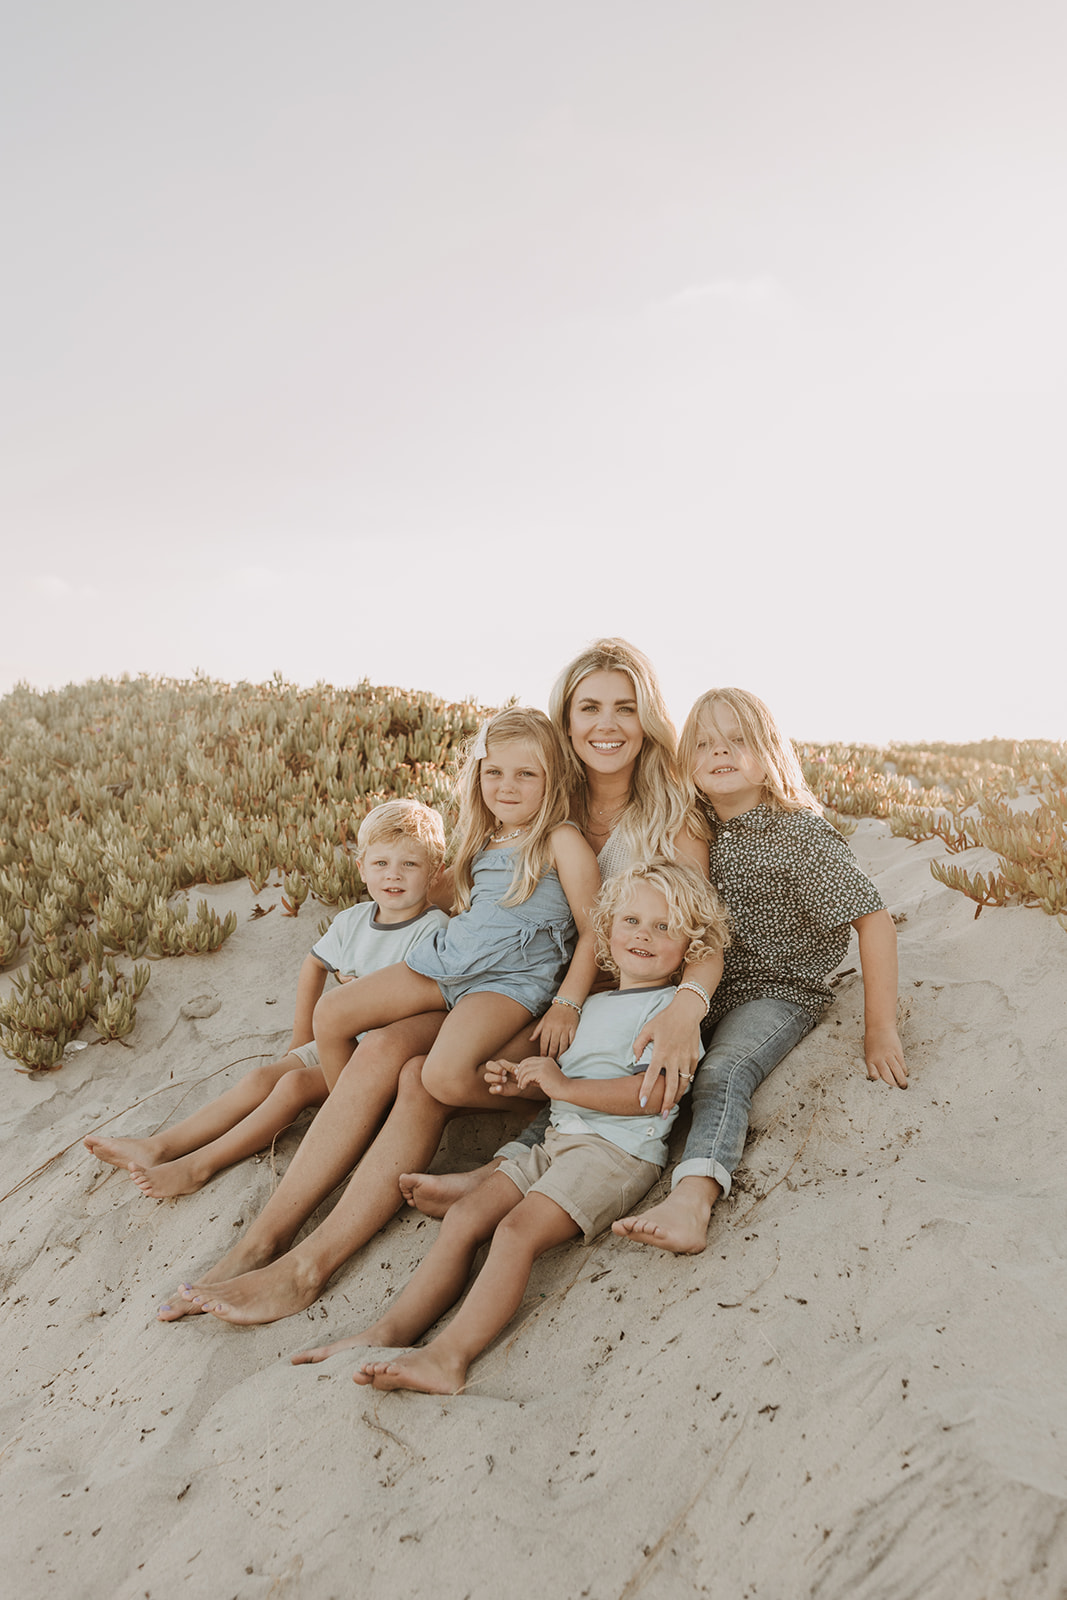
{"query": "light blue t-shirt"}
[(603, 1047), (355, 943)]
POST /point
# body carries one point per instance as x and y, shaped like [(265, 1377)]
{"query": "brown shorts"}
[(590, 1178)]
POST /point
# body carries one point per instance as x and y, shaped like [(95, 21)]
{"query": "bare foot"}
[(125, 1152), (182, 1304), (423, 1370), (678, 1224), (169, 1179), (263, 1295), (433, 1192), (323, 1352)]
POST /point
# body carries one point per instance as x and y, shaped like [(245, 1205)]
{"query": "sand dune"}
[(859, 1392)]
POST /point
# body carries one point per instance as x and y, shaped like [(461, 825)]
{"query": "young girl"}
[(602, 1150), (792, 889), (523, 882)]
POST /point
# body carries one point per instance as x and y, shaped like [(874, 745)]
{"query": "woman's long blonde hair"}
[(785, 785), (476, 821), (658, 808)]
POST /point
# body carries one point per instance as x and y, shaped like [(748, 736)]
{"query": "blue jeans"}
[(746, 1045)]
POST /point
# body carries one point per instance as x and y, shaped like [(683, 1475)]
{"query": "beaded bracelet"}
[(700, 990), (561, 1000)]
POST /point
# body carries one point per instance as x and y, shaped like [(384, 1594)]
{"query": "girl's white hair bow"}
[(481, 749)]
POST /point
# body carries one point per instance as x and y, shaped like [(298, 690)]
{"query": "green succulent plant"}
[(116, 796)]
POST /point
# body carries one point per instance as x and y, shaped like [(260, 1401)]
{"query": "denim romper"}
[(521, 950)]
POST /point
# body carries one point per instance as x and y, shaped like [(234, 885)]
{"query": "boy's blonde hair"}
[(658, 808), (785, 785), (476, 820), (403, 819), (694, 910)]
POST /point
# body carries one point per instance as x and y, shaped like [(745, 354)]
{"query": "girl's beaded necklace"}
[(502, 838)]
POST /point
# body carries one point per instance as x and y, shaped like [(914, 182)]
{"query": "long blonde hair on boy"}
[(476, 821), (694, 911), (785, 786), (658, 807)]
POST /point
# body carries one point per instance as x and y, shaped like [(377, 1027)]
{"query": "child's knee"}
[(447, 1083), (513, 1232), (303, 1086), (378, 1058), (410, 1085), (467, 1221), (330, 1016), (264, 1080)]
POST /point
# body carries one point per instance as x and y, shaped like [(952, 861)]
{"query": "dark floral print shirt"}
[(792, 888)]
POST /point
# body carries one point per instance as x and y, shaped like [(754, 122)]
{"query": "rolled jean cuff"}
[(703, 1169)]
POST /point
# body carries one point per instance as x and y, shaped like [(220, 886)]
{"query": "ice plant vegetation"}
[(1009, 798), (118, 797)]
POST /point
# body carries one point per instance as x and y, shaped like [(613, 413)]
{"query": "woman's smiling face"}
[(604, 725)]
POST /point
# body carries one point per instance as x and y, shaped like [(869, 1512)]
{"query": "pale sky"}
[(424, 342)]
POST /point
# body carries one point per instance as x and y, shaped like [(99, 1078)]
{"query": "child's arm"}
[(674, 1032), (618, 1097), (579, 876), (878, 962), (309, 986)]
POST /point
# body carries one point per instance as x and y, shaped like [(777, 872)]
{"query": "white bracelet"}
[(697, 989), (561, 1000)]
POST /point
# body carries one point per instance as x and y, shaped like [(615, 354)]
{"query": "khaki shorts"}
[(307, 1053), (590, 1178)]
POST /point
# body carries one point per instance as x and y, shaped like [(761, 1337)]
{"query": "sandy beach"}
[(858, 1392)]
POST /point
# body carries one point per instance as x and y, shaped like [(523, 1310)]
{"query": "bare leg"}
[(377, 1001), (440, 1277), (475, 1031), (211, 1122), (293, 1093), (295, 1280), (257, 1292), (330, 1148), (433, 1192), (535, 1225), (679, 1223)]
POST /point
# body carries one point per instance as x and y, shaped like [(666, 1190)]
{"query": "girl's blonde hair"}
[(658, 808), (785, 785), (476, 820), (694, 911)]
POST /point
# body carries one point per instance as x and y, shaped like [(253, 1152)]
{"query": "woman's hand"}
[(674, 1035), (556, 1030)]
